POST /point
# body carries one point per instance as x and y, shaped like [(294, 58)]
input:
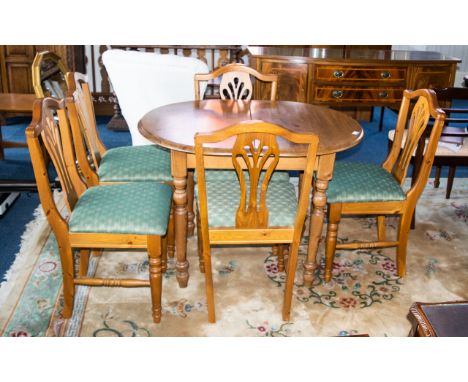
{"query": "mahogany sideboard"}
[(350, 78)]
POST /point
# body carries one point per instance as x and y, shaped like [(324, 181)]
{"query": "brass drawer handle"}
[(383, 94), (338, 74), (385, 74), (337, 93)]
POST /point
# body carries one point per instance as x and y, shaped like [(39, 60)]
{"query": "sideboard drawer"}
[(356, 95), (335, 73)]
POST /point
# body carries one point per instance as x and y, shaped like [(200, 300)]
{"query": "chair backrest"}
[(255, 149), (400, 155), (143, 81), (48, 75), (235, 82), (88, 146), (49, 132)]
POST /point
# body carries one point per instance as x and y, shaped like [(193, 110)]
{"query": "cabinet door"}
[(292, 80), (16, 62), (432, 76)]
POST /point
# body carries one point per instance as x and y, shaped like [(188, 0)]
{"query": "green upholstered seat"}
[(231, 176), (362, 182), (136, 163), (140, 208), (223, 201)]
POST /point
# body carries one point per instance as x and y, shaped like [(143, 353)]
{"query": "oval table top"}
[(174, 126)]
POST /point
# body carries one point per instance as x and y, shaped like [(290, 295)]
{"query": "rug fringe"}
[(29, 239)]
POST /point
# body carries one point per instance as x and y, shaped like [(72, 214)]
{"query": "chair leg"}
[(171, 234), (403, 233), (164, 254), (334, 217), (437, 176), (155, 268), (201, 263), (190, 196), (209, 284), (290, 276), (66, 260), (84, 262), (450, 178), (381, 235)]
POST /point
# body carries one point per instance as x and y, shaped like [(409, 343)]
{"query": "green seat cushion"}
[(136, 163), (223, 201), (362, 182), (231, 176), (140, 208)]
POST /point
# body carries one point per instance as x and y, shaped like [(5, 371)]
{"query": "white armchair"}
[(143, 81)]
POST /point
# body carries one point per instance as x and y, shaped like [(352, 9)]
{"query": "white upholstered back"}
[(143, 81)]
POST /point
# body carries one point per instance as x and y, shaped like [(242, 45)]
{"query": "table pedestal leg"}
[(179, 174), (319, 201)]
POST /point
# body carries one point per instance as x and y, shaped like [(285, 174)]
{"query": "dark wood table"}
[(174, 126), (441, 319), (14, 103)]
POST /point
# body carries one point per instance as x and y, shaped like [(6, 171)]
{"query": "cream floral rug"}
[(364, 297)]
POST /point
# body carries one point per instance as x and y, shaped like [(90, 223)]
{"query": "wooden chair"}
[(368, 189), (455, 117), (118, 165), (130, 215), (48, 75), (235, 82), (230, 213)]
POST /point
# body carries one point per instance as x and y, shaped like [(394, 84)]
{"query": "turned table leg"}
[(319, 201), (179, 174)]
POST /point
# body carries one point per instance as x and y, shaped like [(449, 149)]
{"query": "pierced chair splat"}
[(252, 209), (367, 189), (117, 165), (236, 83)]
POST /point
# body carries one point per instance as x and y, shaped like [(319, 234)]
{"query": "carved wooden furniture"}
[(439, 319), (130, 215), (143, 81), (252, 210), (456, 116), (356, 78), (367, 189), (48, 75), (99, 165), (174, 126), (235, 82), (456, 119)]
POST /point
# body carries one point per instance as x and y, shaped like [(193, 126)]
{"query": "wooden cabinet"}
[(350, 78), (16, 60), (292, 80)]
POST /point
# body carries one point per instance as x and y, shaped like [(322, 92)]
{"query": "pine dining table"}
[(174, 126)]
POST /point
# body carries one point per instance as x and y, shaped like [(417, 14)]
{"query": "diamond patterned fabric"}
[(223, 201), (362, 182), (135, 163), (140, 208)]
